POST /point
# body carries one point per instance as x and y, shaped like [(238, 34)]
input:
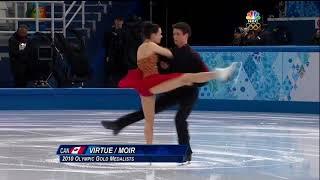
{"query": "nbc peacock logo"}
[(253, 18)]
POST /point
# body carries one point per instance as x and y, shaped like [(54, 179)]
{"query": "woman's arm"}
[(161, 50)]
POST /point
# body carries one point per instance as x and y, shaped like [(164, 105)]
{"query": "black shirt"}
[(17, 55), (185, 60)]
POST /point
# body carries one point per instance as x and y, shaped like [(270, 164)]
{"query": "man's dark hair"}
[(120, 18), (23, 26), (184, 27)]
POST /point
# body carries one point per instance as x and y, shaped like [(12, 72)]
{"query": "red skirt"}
[(134, 79)]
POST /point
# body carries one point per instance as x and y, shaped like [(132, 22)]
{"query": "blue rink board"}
[(291, 48), (127, 99)]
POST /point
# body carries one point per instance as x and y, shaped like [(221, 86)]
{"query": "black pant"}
[(114, 73), (19, 71), (184, 97)]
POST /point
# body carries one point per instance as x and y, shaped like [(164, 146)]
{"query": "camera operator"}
[(20, 54)]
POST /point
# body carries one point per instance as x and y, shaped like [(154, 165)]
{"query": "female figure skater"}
[(148, 82)]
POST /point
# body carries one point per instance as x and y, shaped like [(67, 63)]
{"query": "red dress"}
[(146, 76)]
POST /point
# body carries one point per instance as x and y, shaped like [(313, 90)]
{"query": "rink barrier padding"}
[(291, 48), (128, 99)]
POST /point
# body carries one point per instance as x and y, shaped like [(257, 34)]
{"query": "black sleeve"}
[(106, 40), (79, 37), (200, 84), (22, 56), (200, 66), (166, 60), (13, 48), (62, 42)]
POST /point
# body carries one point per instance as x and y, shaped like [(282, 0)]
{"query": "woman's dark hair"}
[(150, 28)]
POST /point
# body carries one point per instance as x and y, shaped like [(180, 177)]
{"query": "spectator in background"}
[(133, 39), (281, 8), (116, 66), (316, 37), (281, 35), (264, 35), (31, 10), (3, 12), (261, 36), (20, 54), (251, 38), (239, 34), (31, 13)]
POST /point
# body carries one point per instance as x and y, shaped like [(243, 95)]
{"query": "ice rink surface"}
[(226, 146)]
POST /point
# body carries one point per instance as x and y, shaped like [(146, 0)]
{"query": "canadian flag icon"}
[(78, 149)]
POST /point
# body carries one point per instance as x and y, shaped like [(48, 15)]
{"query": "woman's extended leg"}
[(148, 107), (190, 78)]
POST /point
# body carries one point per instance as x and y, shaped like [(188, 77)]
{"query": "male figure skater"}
[(186, 60)]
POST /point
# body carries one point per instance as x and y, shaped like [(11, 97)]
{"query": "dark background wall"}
[(212, 22)]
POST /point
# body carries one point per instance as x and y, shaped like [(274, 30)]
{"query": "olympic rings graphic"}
[(253, 26)]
